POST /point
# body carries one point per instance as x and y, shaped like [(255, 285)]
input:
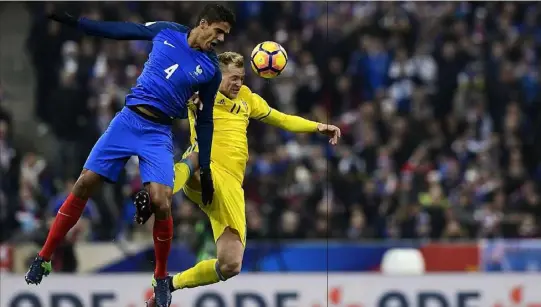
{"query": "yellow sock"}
[(202, 274), (183, 172)]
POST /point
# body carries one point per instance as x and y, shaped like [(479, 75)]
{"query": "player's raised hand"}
[(331, 131), (64, 18), (207, 186)]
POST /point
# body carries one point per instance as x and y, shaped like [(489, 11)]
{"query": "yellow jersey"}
[(231, 119)]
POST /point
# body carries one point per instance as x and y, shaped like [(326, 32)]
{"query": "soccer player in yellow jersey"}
[(234, 106)]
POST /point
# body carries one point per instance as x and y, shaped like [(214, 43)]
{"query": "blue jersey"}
[(172, 73)]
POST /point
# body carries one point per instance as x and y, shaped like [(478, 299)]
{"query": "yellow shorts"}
[(227, 208)]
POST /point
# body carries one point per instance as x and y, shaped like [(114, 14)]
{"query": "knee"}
[(230, 253), (86, 184), (194, 159), (160, 197), (230, 268)]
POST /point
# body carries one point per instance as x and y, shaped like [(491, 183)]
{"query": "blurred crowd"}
[(439, 105)]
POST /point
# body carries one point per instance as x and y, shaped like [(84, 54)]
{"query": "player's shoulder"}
[(248, 96), (162, 25), (213, 57), (245, 92)]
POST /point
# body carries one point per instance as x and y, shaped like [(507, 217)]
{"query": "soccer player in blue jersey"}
[(182, 61)]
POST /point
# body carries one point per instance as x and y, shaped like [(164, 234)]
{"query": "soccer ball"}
[(268, 59)]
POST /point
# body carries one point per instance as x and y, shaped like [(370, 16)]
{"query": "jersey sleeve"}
[(259, 108), (126, 30), (263, 112), (204, 126)]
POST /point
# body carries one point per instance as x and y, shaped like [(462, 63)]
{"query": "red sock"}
[(65, 219), (163, 236)]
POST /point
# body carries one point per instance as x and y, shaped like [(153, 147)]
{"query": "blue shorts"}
[(128, 135)]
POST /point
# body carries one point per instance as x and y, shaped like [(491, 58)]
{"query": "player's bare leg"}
[(160, 199), (66, 218), (230, 252)]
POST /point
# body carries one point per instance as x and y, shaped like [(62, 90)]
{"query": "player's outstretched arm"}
[(116, 29), (299, 125), (263, 112), (204, 128)]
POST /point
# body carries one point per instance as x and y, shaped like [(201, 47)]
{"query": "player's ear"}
[(203, 23)]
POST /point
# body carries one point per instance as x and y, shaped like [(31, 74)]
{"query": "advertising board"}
[(510, 255), (287, 290)]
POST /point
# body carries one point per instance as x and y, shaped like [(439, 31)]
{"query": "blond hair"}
[(230, 57)]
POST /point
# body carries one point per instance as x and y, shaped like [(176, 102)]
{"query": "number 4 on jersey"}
[(170, 70)]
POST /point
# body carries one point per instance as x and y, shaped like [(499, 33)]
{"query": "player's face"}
[(232, 80), (213, 34)]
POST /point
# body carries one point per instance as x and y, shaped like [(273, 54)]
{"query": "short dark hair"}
[(217, 13)]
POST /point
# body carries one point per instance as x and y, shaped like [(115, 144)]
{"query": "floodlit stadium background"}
[(440, 108)]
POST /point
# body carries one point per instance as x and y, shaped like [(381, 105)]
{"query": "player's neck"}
[(224, 93), (192, 38)]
